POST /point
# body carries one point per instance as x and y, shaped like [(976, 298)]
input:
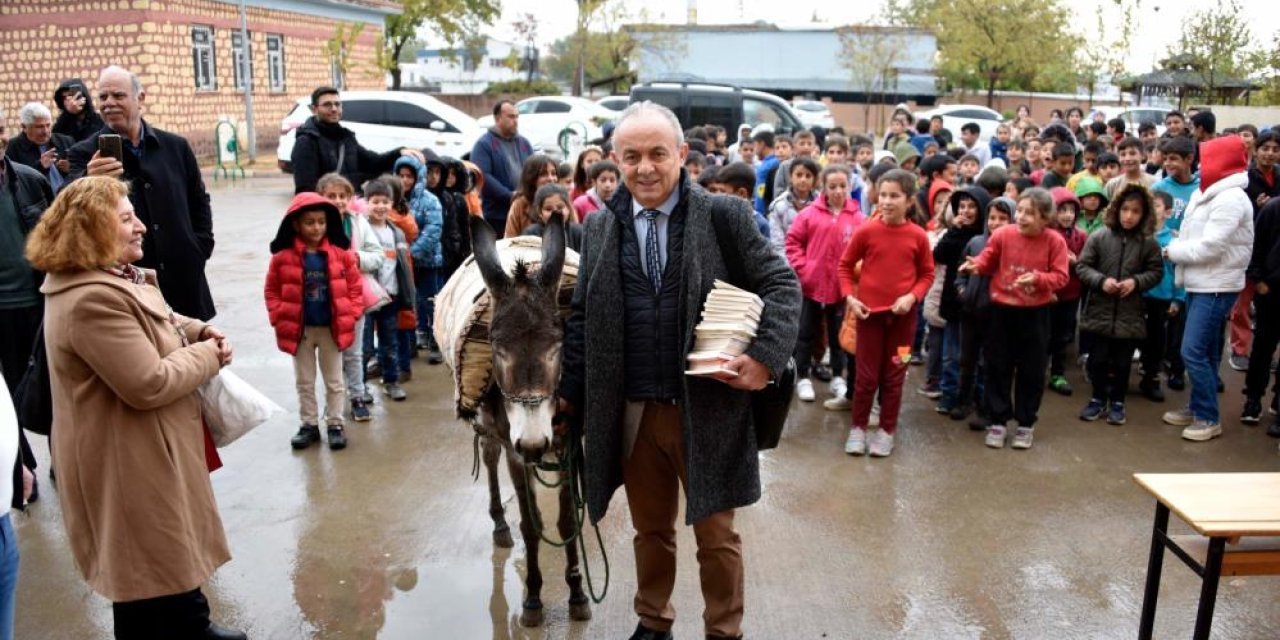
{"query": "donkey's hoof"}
[(503, 539), (531, 617), (579, 610)]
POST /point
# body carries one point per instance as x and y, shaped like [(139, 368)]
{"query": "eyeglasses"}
[(332, 104)]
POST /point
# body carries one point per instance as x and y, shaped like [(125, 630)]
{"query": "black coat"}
[(1258, 186), (168, 195), (1264, 265), (318, 147), (31, 193), (78, 127), (23, 151), (720, 445)]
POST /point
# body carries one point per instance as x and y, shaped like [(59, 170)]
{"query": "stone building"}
[(187, 53)]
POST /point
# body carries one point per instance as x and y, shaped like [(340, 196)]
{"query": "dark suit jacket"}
[(23, 151), (168, 195)]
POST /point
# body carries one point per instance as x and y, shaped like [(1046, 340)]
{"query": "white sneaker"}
[(874, 419), (1022, 437), (838, 403), (1179, 417), (856, 443), (1201, 431), (838, 387), (804, 390), (995, 436), (881, 443)]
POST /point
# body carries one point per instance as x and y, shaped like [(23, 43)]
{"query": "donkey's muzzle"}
[(532, 448)]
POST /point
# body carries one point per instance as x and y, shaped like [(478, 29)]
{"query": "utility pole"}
[(245, 66)]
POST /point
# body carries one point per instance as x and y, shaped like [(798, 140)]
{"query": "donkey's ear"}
[(484, 248), (553, 241)]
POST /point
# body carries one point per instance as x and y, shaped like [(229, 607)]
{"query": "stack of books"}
[(730, 318)]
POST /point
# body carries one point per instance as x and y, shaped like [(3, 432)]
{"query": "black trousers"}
[(1062, 332), (17, 335), (1266, 335), (973, 340), (183, 616), (1015, 363), (1109, 365), (1173, 345), (812, 314), (1161, 347)]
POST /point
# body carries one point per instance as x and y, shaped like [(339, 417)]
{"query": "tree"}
[(992, 44), (605, 62), (871, 55), (527, 28), (1267, 61), (339, 47), (451, 20), (1215, 45)]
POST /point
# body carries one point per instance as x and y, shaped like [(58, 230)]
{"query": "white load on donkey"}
[(499, 323)]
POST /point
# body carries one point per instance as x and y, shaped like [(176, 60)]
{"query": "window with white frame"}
[(205, 71), (239, 54), (275, 61)]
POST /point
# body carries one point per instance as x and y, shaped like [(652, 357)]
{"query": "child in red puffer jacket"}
[(314, 295)]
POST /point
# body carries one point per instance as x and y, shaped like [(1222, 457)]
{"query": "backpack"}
[(32, 399)]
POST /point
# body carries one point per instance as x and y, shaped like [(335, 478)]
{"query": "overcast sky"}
[(1160, 21)]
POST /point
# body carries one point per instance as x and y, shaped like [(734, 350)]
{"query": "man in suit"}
[(648, 262)]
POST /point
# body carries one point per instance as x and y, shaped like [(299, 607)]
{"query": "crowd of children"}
[(989, 262)]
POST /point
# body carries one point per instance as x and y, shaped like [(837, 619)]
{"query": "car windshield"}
[(811, 106)]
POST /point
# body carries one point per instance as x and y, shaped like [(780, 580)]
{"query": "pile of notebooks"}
[(730, 318)]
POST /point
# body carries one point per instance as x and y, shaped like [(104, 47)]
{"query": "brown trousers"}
[(653, 476)]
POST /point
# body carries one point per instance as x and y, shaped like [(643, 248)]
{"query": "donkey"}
[(517, 411)]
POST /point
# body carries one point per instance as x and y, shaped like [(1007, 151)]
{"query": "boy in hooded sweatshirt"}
[(1164, 303), (1063, 312), (968, 208), (1092, 195), (1211, 254), (814, 243), (426, 249), (974, 292), (1027, 263), (1119, 262), (314, 294)]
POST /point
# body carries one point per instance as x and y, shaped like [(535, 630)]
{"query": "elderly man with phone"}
[(167, 192), (38, 147)]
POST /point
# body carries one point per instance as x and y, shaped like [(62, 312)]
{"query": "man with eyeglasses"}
[(166, 190), (323, 145)]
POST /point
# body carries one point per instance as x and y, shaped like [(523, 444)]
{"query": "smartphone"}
[(109, 146)]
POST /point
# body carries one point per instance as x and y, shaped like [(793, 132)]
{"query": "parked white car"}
[(813, 113), (955, 116), (385, 120), (1134, 116), (614, 103), (543, 118)]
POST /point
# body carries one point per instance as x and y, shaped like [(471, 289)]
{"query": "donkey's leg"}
[(492, 455), (579, 606), (531, 615)]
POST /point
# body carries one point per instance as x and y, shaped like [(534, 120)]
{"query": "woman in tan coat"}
[(130, 445)]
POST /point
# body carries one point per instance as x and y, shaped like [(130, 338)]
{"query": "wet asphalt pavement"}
[(946, 539)]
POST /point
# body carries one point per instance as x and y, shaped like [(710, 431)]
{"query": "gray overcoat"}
[(719, 438)]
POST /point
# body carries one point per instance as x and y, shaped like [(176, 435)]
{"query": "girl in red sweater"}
[(314, 294), (814, 242), (897, 270), (1027, 264)]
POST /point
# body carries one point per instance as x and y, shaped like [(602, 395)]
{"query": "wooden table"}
[(1222, 508)]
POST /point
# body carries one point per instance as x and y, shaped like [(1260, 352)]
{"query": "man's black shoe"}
[(645, 633), (307, 435), (215, 632), (1274, 429)]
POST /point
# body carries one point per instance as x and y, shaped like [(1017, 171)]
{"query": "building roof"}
[(358, 10), (1188, 78), (765, 57)]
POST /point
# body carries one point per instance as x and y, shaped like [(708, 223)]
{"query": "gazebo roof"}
[(1182, 78)]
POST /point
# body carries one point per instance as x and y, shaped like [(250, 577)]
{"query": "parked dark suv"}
[(723, 105)]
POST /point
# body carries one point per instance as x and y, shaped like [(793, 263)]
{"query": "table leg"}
[(1209, 588), (1154, 566)]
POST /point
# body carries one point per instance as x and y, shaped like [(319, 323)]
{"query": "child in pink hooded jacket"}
[(814, 244)]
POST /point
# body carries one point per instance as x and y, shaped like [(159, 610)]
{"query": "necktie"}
[(651, 256)]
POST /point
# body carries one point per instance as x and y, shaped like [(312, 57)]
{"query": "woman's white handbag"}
[(232, 407)]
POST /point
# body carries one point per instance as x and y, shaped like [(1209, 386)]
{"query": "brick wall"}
[(43, 42)]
